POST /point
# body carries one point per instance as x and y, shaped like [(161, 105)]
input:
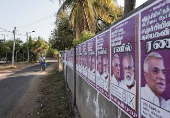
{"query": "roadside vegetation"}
[(36, 46), (52, 100), (9, 67)]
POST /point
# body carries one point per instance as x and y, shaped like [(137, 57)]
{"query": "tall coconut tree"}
[(129, 5), (86, 14)]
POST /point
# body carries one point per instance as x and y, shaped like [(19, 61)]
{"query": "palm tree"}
[(88, 14), (129, 5)]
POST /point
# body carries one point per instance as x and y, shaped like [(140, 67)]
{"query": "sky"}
[(31, 15)]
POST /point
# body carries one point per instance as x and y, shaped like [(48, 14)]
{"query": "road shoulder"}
[(27, 103)]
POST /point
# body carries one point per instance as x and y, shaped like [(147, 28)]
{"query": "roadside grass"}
[(17, 65), (52, 100)]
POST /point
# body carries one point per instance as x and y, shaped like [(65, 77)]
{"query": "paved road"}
[(14, 85)]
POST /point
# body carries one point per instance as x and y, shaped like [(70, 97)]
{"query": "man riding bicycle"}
[(42, 62)]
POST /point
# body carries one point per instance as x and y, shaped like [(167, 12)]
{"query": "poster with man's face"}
[(102, 72), (84, 60), (91, 61), (123, 82), (77, 59), (155, 48), (79, 55), (70, 59)]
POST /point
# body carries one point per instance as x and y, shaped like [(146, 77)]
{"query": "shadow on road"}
[(13, 86)]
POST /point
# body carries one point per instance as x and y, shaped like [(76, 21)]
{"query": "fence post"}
[(74, 75), (62, 66), (58, 62)]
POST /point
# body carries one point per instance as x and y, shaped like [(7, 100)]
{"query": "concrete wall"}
[(70, 79), (91, 104)]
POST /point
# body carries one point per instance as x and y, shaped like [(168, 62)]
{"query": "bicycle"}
[(43, 65)]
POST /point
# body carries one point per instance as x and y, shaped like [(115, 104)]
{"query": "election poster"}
[(123, 80), (70, 59), (84, 60), (155, 64), (77, 59), (102, 62), (92, 61), (67, 56)]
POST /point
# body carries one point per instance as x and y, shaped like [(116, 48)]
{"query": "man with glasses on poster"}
[(154, 73), (90, 68), (93, 69), (99, 72), (105, 73), (116, 70), (129, 82), (85, 66)]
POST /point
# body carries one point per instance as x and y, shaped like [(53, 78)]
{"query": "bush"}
[(52, 53)]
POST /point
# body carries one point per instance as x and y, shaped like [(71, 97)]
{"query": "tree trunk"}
[(129, 5)]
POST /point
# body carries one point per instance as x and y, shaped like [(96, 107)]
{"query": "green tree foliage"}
[(40, 46), (62, 36), (3, 49), (36, 48), (90, 15), (9, 45), (52, 52), (83, 37)]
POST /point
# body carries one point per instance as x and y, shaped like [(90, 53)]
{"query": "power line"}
[(5, 30), (40, 20)]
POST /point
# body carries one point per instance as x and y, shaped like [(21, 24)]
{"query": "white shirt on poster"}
[(167, 105), (89, 74), (99, 79), (147, 94), (124, 86), (105, 82), (93, 75), (114, 80), (98, 74)]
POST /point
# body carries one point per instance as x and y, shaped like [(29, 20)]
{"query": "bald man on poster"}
[(105, 75), (99, 72), (116, 70), (154, 73)]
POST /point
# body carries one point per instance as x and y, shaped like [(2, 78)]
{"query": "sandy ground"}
[(27, 104)]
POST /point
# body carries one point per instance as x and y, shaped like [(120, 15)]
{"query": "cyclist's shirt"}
[(42, 59)]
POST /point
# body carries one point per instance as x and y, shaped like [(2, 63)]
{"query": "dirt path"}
[(27, 104)]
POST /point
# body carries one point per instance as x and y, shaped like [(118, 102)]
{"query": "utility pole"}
[(4, 38), (13, 46), (27, 46)]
